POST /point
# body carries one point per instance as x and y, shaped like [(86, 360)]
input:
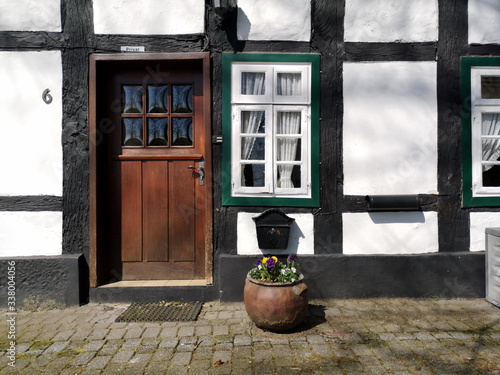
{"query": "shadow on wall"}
[(397, 217)]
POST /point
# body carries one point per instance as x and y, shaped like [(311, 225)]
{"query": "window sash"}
[(273, 166), (272, 72)]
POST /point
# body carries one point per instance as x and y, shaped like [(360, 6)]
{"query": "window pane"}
[(288, 123), (157, 99), (132, 132), (132, 99), (182, 132), (253, 122), (289, 84), (157, 131), (182, 99), (288, 149), (253, 175), (289, 176), (490, 148), (253, 83), (490, 124), (253, 148), (490, 87)]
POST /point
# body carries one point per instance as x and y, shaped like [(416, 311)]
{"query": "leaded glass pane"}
[(132, 99), (132, 132), (289, 84), (490, 87), (157, 131), (253, 83), (182, 99), (253, 175), (157, 99), (182, 132)]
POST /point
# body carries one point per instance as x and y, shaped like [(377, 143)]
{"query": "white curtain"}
[(251, 84), (490, 147), (288, 123)]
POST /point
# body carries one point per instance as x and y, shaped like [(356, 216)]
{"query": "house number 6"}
[(47, 98)]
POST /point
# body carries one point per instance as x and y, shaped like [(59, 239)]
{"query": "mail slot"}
[(393, 202), (273, 229)]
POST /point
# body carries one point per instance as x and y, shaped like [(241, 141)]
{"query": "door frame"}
[(95, 134)]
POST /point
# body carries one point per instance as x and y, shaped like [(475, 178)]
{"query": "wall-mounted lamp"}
[(223, 9)]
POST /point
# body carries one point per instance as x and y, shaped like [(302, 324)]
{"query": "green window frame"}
[(235, 104), (476, 105)]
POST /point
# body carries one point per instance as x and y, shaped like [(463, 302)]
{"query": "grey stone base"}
[(446, 275), (45, 280), (152, 294)]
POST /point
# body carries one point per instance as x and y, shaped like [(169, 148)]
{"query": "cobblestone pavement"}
[(376, 336)]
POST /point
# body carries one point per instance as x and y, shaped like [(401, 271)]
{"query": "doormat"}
[(161, 312)]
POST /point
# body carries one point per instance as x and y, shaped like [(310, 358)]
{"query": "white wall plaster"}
[(31, 153), (479, 221), (301, 239), (145, 17), (390, 128), (30, 15), (412, 232), (30, 233), (484, 21), (391, 20), (274, 20)]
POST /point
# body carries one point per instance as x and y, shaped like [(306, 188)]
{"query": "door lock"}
[(200, 170)]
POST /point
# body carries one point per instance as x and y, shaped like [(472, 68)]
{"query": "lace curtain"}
[(490, 147)]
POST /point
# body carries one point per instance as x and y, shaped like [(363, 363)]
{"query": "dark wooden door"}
[(155, 175)]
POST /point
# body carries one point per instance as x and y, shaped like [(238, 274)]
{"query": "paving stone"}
[(98, 363), (181, 359)]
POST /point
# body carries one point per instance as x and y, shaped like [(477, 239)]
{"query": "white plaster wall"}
[(484, 21), (391, 20), (390, 233), (30, 233), (274, 20), (145, 17), (479, 221), (31, 152), (30, 15), (390, 128), (301, 239)]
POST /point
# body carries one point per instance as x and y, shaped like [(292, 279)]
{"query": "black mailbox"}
[(273, 229)]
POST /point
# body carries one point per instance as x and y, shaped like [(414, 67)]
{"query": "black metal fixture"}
[(393, 202), (273, 229), (223, 10)]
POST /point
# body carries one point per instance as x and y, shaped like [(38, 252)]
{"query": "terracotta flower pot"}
[(276, 306)]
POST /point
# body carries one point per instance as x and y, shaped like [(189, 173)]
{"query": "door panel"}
[(131, 243), (155, 219), (182, 214)]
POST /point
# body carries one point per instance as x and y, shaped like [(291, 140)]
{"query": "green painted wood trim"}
[(466, 63), (227, 60)]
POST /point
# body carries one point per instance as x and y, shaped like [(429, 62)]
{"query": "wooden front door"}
[(156, 168)]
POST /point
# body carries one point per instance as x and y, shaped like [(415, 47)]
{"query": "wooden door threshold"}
[(154, 283)]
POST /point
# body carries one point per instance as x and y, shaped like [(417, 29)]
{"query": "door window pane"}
[(182, 132), (157, 99), (132, 132), (132, 99), (182, 99), (157, 131)]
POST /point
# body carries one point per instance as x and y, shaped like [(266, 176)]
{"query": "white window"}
[(485, 131), (270, 129)]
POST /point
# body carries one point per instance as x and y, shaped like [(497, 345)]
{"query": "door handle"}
[(200, 170)]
